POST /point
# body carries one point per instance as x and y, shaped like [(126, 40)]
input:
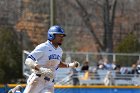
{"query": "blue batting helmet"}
[(55, 30)]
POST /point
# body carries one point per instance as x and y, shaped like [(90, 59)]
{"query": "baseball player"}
[(44, 60)]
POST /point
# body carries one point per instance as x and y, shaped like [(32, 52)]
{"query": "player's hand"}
[(74, 64), (47, 72)]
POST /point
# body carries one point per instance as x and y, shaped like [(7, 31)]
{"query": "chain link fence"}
[(92, 58)]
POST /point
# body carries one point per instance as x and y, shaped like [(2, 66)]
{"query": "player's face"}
[(59, 39)]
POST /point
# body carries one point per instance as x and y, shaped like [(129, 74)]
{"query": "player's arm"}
[(33, 64), (33, 57), (67, 65), (63, 65)]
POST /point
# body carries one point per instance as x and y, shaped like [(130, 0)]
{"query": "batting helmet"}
[(55, 30)]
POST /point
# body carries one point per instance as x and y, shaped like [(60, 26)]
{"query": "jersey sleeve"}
[(37, 53)]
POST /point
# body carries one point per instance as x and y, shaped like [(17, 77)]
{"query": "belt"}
[(46, 78)]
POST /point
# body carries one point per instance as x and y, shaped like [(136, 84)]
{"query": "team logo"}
[(54, 56)]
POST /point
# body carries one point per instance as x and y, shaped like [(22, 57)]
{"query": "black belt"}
[(46, 78)]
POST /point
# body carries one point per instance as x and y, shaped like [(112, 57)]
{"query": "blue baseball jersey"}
[(46, 55)]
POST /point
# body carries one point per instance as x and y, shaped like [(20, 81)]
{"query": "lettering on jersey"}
[(54, 56)]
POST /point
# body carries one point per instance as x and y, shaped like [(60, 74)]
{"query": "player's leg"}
[(10, 91), (32, 89), (49, 88), (34, 84), (16, 89)]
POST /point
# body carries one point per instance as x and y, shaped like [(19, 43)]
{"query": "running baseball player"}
[(44, 60)]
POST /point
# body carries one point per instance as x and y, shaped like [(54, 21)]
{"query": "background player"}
[(44, 60)]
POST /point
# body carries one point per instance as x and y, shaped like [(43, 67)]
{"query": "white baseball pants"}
[(36, 84)]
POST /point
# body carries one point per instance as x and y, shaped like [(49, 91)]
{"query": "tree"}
[(10, 55), (108, 8), (129, 44)]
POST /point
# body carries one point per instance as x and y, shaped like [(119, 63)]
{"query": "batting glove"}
[(74, 64)]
